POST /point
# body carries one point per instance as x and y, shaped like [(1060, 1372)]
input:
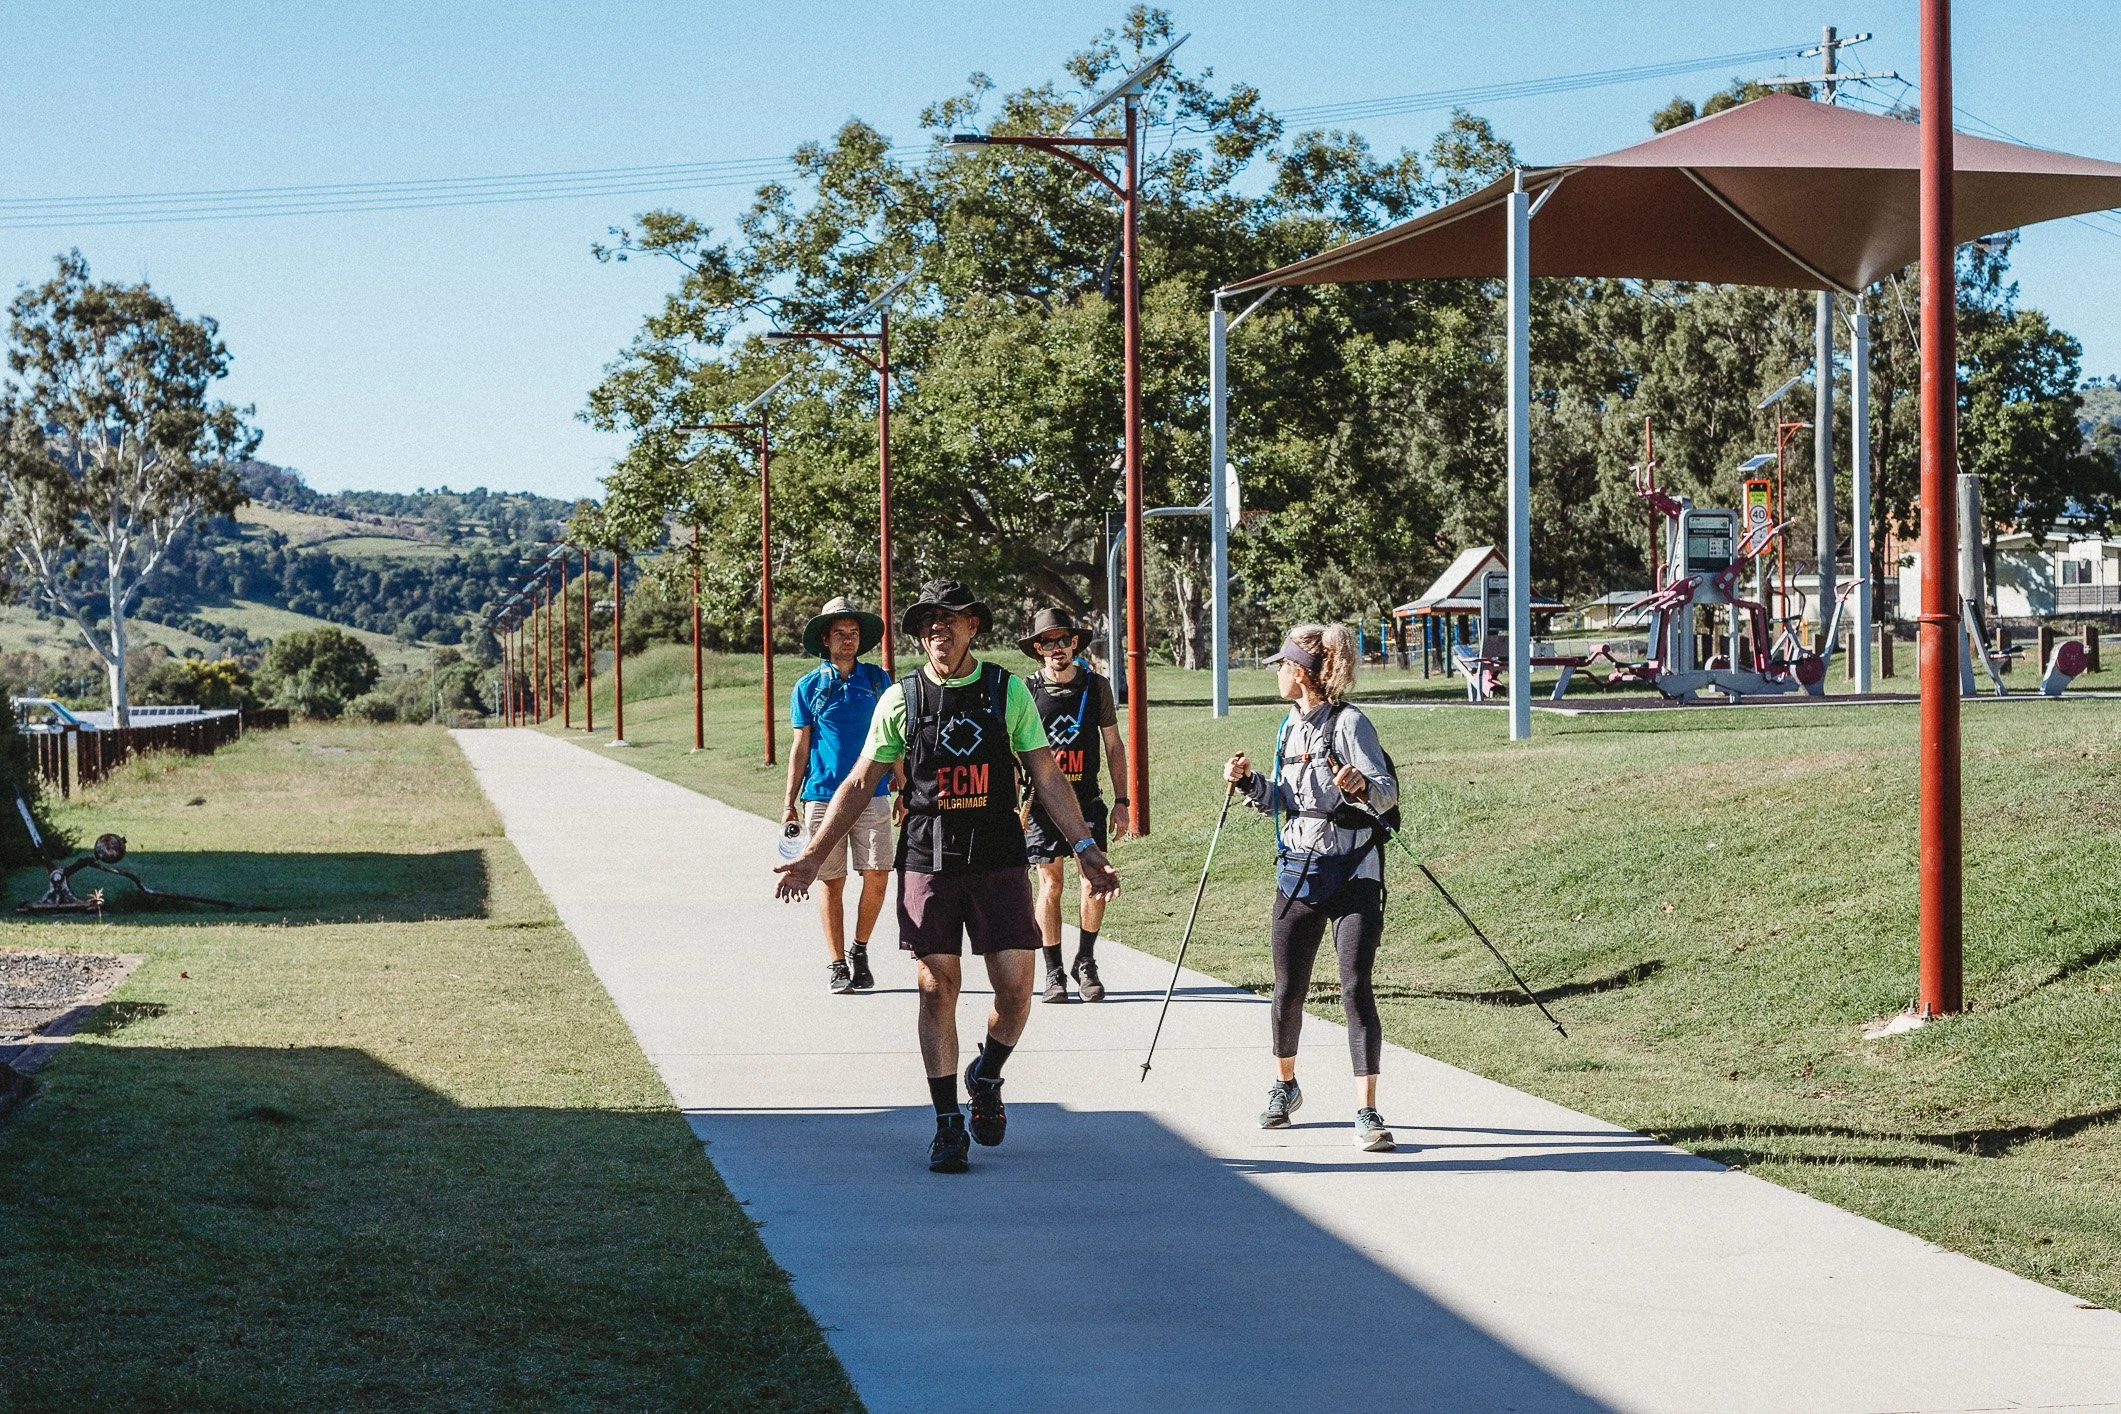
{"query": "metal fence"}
[(70, 755)]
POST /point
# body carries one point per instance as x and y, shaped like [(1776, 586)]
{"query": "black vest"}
[(960, 777), (1069, 711)]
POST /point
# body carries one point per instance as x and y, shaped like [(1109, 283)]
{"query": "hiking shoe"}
[(840, 979), (1370, 1131), (1087, 984), (864, 979), (989, 1120), (947, 1154), (1056, 986), (1283, 1100)]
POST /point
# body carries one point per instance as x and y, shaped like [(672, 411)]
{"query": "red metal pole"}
[(541, 649), (1943, 900), (699, 715), (883, 480), (566, 678), (618, 646), (589, 655), (1137, 658), (766, 571)]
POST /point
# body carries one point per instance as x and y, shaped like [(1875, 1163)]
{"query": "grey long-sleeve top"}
[(1306, 783)]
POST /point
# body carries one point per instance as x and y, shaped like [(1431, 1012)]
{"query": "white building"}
[(2061, 575)]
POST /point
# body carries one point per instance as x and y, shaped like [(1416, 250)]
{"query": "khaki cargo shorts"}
[(868, 844)]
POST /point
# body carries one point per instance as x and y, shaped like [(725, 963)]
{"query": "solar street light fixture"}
[(1126, 188)]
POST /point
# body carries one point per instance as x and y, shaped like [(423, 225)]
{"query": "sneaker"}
[(840, 979), (947, 1154), (1283, 1100), (864, 979), (1086, 982), (1056, 986), (989, 1120), (1370, 1131)]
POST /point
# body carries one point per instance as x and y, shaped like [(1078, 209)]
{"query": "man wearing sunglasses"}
[(1082, 725)]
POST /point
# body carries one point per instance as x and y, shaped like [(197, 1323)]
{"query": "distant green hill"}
[(417, 567)]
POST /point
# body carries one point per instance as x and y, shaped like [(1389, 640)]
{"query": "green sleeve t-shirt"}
[(887, 729)]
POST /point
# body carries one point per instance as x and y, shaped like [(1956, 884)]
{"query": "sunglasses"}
[(1053, 640)]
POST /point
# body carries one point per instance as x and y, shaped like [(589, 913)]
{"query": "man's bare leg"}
[(940, 978), (1010, 972), (830, 894), (870, 905), (1051, 881)]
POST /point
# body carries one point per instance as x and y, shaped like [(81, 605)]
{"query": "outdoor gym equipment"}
[(1706, 558), (105, 857), (1178, 963)]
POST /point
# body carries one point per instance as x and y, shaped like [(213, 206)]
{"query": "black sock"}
[(991, 1057), (1087, 945), (1053, 961), (943, 1090), (860, 949)]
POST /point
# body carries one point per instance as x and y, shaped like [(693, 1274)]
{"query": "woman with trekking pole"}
[(1330, 784)]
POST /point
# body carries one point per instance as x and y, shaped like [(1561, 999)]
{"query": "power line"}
[(251, 203)]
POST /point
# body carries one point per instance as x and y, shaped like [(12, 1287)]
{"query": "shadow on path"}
[(1106, 1231)]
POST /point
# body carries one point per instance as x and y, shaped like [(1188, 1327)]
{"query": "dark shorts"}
[(937, 912), (1044, 842)]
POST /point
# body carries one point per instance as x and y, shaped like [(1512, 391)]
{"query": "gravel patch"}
[(46, 996)]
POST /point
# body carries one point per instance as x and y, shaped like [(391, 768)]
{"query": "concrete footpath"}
[(1147, 1246)]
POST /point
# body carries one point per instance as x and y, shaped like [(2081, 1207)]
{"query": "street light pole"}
[(851, 341), (618, 647), (699, 714), (1130, 317), (762, 426), (589, 655), (1137, 658), (1942, 917)]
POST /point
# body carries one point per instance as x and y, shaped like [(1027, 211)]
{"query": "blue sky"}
[(395, 349)]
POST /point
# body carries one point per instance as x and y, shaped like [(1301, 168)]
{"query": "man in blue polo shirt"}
[(830, 710)]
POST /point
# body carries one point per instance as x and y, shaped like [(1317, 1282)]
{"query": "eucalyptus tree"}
[(110, 445)]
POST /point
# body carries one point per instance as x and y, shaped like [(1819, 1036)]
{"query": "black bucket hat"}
[(835, 609), (1043, 623), (943, 594)]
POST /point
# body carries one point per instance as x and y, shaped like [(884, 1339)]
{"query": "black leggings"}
[(1357, 914)]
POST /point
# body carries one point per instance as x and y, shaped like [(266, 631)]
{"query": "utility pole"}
[(1827, 542)]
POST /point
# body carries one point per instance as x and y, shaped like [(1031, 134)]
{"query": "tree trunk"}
[(120, 700), (1186, 591)]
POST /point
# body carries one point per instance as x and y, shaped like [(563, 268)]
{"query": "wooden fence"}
[(65, 757)]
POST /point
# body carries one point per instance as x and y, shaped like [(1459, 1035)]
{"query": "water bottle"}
[(791, 839)]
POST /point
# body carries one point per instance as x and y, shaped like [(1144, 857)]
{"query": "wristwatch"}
[(1085, 844), (1121, 800)]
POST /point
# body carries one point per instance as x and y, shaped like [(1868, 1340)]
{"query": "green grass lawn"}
[(383, 1144), (1713, 901)]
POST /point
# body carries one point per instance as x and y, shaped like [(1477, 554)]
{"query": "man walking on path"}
[(960, 725), (1075, 704), (830, 710)]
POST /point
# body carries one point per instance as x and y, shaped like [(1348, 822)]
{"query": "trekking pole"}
[(1228, 796), (1530, 995)]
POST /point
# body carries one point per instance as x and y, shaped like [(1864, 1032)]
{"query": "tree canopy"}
[(1366, 420)]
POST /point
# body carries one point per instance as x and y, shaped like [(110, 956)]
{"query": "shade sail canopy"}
[(1780, 191)]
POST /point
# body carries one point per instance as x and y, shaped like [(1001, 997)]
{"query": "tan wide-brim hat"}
[(841, 608), (1043, 623)]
